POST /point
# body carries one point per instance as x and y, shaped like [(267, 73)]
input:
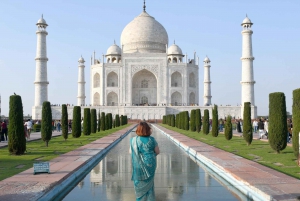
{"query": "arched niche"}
[(192, 80), (96, 99), (176, 98), (112, 79), (192, 98), (96, 80), (176, 79), (112, 99)]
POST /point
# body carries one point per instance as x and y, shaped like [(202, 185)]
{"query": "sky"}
[(211, 28)]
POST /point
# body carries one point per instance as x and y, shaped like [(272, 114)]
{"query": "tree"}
[(173, 120), (16, 135), (198, 121), (110, 120), (87, 121), (99, 121), (177, 120), (103, 127), (247, 125), (296, 120), (64, 121), (193, 121), (206, 122), (107, 127), (186, 120), (215, 122), (164, 119), (126, 119), (121, 120), (76, 122), (228, 128), (278, 121), (46, 130), (93, 121), (117, 119)]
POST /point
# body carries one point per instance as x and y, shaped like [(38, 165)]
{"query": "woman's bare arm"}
[(156, 150)]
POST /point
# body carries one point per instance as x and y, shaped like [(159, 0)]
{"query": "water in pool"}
[(177, 177)]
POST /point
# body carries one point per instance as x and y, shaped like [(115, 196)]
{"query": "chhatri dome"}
[(174, 49), (145, 34), (114, 49), (247, 21)]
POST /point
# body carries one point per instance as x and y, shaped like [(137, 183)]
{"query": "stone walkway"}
[(265, 182)]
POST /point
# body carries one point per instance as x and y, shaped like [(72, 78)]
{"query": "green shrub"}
[(126, 119), (93, 121), (107, 127), (37, 127), (215, 122), (117, 120), (46, 130), (198, 121), (296, 120), (173, 120), (64, 121), (103, 127), (87, 121), (164, 119), (278, 121), (99, 121), (228, 128), (122, 120), (186, 120), (193, 121), (177, 120), (76, 123), (16, 133), (110, 120), (181, 120), (206, 122), (247, 125)]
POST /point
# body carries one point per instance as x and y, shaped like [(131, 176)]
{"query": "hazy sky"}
[(210, 28)]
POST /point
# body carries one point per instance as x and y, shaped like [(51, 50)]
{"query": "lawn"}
[(258, 151), (38, 152)]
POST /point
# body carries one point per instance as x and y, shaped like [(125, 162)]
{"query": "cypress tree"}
[(182, 120), (247, 125), (114, 123), (215, 122), (93, 121), (16, 135), (64, 121), (117, 120), (46, 129), (164, 119), (110, 120), (121, 120), (198, 121), (107, 122), (206, 122), (87, 121), (193, 120), (278, 121), (126, 119), (186, 120), (296, 120), (228, 128), (173, 120), (177, 120), (76, 123), (103, 121), (99, 121)]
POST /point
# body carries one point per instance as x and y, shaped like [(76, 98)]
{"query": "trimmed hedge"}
[(215, 122), (198, 121), (117, 120), (177, 120), (107, 122), (247, 125), (296, 120), (87, 121), (16, 133), (99, 121), (46, 130), (228, 128), (64, 121), (93, 121), (206, 122), (103, 127), (173, 120), (278, 121), (193, 121), (186, 120), (76, 123)]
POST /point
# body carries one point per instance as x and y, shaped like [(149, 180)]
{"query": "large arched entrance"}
[(144, 88), (176, 99), (112, 99)]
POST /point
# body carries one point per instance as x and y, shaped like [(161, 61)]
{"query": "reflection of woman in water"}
[(144, 150)]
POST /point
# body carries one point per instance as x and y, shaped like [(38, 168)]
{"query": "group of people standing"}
[(3, 132)]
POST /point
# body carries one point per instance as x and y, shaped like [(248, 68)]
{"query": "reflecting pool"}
[(177, 177)]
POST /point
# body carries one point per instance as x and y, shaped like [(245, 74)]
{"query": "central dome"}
[(145, 35)]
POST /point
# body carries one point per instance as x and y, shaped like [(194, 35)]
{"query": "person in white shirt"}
[(28, 124), (255, 125), (266, 127)]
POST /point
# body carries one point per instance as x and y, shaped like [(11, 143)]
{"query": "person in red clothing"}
[(4, 130)]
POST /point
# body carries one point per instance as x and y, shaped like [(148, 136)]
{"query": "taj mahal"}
[(146, 76)]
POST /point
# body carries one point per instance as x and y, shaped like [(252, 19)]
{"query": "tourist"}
[(241, 124), (70, 125), (58, 125), (4, 130), (221, 125), (255, 125), (28, 124), (266, 127), (289, 127), (261, 129), (144, 150)]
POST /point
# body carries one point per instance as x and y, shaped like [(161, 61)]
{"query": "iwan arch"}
[(145, 77)]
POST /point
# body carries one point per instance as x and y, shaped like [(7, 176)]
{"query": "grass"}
[(38, 152), (258, 151)]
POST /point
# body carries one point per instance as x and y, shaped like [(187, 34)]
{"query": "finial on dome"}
[(144, 6), (246, 15), (114, 41), (42, 16), (174, 42)]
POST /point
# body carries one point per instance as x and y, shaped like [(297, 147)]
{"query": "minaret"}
[(207, 90), (81, 83), (41, 81), (247, 64)]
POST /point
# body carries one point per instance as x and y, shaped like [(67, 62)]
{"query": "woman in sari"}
[(144, 150)]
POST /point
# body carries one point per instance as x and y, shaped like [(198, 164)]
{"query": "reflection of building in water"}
[(80, 184), (176, 173)]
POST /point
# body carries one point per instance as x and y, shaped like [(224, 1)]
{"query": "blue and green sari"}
[(143, 167)]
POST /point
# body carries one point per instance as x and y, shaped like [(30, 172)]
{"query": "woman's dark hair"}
[(143, 129)]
